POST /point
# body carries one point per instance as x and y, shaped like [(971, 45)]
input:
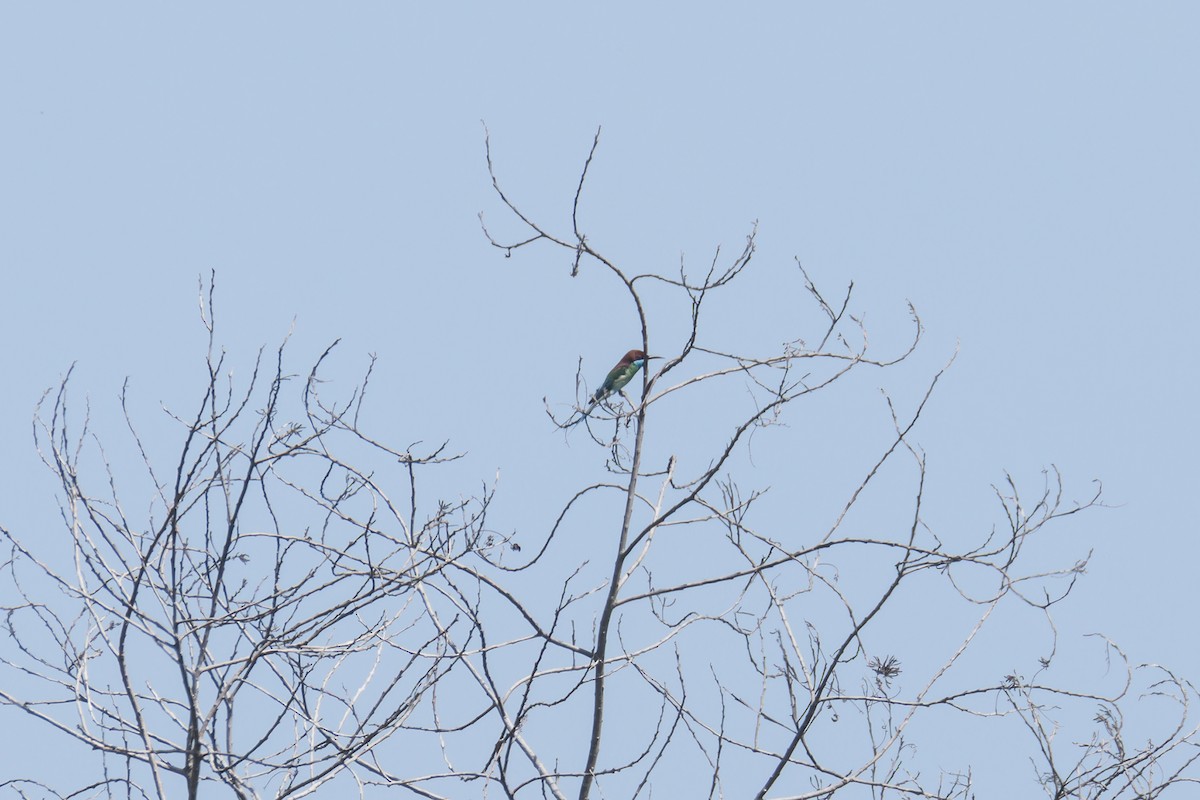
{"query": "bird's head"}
[(636, 355)]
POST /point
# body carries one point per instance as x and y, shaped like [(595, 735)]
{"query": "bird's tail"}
[(584, 413)]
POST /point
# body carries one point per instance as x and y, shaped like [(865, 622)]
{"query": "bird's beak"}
[(651, 357)]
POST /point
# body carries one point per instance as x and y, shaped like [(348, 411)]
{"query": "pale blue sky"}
[(1027, 174)]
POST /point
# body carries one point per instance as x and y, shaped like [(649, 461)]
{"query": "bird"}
[(616, 379)]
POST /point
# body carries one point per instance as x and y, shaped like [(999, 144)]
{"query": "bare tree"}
[(236, 633), (292, 614)]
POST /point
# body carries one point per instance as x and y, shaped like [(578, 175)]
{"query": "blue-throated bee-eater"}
[(617, 379)]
